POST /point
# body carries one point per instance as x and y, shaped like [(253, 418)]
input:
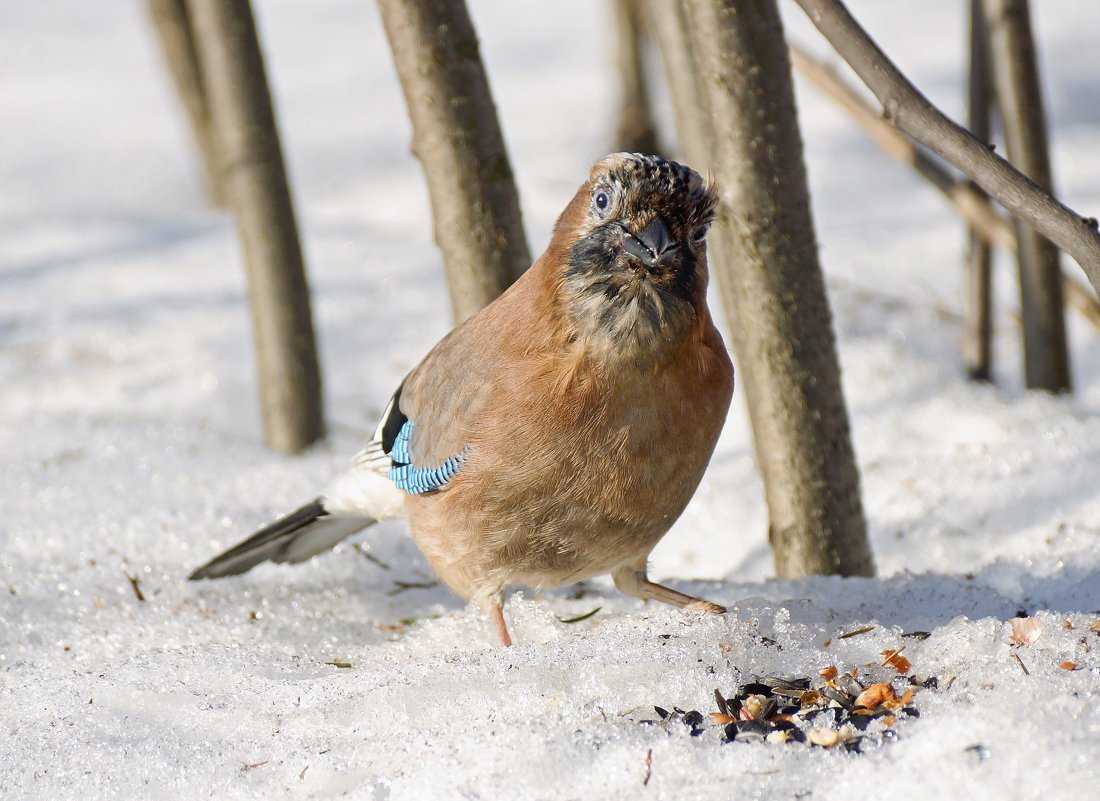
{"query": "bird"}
[(557, 434)]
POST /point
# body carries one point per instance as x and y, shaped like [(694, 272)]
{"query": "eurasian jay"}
[(557, 434)]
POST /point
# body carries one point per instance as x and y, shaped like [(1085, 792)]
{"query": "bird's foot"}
[(705, 607)]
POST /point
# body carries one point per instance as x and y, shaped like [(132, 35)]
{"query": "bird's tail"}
[(293, 538)]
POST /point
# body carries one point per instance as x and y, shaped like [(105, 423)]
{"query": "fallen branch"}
[(907, 109), (971, 204)]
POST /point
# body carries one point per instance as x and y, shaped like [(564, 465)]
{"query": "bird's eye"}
[(601, 201), (700, 234)]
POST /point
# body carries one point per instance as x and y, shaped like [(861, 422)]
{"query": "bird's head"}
[(634, 238)]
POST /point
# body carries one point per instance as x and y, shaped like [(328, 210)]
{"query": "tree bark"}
[(172, 23), (457, 138), (1020, 101), (255, 180), (978, 334), (774, 293), (636, 132), (911, 112)]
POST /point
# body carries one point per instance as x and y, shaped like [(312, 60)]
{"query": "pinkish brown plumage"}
[(557, 434)]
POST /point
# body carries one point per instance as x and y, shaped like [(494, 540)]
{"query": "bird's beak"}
[(652, 246)]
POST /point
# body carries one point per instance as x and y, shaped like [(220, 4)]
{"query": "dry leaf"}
[(1068, 666), (828, 673), (895, 660), (1095, 626), (1067, 624), (1025, 630)]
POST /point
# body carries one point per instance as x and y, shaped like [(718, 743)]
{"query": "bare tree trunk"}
[(636, 132), (978, 334), (670, 24), (457, 138), (910, 111), (172, 23), (255, 180), (1016, 77), (774, 294)]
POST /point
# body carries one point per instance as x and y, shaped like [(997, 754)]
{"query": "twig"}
[(136, 585), (648, 767), (907, 109), (971, 203), (1023, 667)]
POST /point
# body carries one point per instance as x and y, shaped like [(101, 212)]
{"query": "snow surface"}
[(130, 450)]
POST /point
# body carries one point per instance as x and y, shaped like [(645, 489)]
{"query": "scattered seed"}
[(339, 663), (1068, 666)]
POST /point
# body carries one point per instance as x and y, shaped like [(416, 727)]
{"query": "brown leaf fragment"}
[(1095, 626), (828, 673), (1025, 630), (895, 660), (1067, 624), (1068, 666)]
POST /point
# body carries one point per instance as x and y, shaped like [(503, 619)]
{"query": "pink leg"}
[(636, 584), (496, 617)]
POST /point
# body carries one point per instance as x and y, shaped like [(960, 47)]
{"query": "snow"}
[(131, 453)]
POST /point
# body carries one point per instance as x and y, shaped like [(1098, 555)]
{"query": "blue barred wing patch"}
[(415, 480)]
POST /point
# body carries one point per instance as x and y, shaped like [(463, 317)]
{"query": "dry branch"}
[(970, 202), (910, 111)]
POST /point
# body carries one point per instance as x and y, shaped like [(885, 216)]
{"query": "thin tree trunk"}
[(458, 140), (255, 180), (910, 111), (669, 19), (636, 131), (172, 23), (978, 334), (1020, 100), (774, 293)]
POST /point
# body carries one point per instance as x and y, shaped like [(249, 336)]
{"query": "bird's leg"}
[(495, 610), (637, 584)]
